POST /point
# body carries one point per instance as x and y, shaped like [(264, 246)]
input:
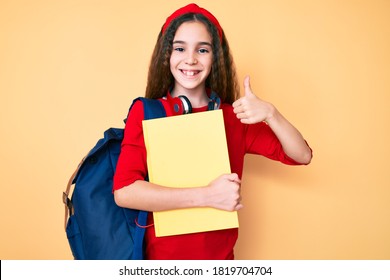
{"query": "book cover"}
[(188, 151)]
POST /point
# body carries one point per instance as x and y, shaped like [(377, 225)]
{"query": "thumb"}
[(233, 177), (247, 86)]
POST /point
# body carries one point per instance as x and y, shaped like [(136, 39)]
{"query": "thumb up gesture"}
[(250, 109)]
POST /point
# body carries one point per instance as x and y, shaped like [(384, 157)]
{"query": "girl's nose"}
[(191, 60)]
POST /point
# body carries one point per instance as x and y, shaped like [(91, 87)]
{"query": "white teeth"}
[(190, 73)]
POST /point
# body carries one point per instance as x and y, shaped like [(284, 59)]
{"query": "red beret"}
[(193, 8)]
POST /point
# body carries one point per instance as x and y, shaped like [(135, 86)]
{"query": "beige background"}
[(70, 69)]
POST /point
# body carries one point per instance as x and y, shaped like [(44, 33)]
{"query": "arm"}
[(222, 193), (250, 109)]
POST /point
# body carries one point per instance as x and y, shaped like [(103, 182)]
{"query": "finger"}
[(246, 121), (237, 103), (241, 116), (238, 207), (238, 110), (247, 86), (247, 81)]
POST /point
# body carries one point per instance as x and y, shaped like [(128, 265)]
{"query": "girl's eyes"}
[(180, 49), (203, 51)]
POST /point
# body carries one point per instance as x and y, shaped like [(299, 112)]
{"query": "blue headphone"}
[(181, 105)]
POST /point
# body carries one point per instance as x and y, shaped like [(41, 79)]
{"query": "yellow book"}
[(188, 151)]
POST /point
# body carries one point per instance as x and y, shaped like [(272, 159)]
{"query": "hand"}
[(250, 109), (224, 193)]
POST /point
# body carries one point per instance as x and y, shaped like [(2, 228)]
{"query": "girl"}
[(191, 58)]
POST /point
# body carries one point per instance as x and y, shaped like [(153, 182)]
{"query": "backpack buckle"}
[(67, 202)]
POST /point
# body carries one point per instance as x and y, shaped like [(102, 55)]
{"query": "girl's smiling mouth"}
[(190, 73)]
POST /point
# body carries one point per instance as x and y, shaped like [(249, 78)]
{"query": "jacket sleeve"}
[(260, 139)]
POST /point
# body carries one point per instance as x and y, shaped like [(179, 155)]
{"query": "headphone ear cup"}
[(177, 106), (187, 107)]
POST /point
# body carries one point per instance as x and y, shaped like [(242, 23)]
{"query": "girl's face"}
[(191, 58)]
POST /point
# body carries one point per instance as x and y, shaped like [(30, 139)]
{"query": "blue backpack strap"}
[(138, 250), (153, 109)]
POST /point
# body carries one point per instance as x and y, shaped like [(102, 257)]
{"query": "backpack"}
[(96, 228)]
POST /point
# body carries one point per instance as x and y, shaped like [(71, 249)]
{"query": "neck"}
[(197, 97)]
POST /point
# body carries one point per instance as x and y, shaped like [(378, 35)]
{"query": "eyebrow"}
[(199, 43)]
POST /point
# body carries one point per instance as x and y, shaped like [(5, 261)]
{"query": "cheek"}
[(209, 65), (172, 63), (171, 59), (174, 59)]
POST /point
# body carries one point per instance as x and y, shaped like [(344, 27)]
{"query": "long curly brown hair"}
[(222, 78)]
